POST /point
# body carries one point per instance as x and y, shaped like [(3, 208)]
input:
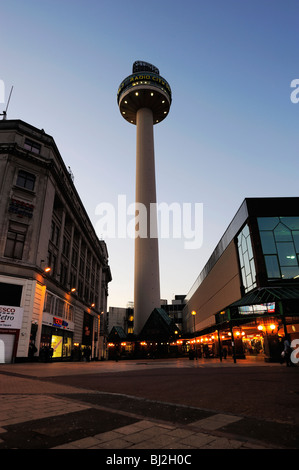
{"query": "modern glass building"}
[(246, 299)]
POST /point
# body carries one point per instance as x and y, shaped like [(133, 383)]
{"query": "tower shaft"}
[(144, 99), (147, 276)]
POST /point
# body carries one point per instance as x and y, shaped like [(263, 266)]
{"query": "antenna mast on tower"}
[(4, 114)]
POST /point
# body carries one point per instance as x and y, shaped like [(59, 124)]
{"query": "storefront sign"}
[(60, 322), (57, 322), (257, 309), (21, 208), (11, 317)]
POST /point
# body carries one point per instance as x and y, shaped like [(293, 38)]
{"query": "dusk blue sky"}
[(232, 131)]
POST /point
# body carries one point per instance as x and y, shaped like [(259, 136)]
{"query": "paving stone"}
[(85, 443), (198, 440), (113, 444), (180, 433), (136, 437), (216, 421), (223, 443), (107, 436)]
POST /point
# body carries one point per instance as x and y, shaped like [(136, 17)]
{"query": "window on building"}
[(86, 294), (73, 278), (26, 180), (49, 302), (74, 256), (246, 259), (15, 240), (87, 273), (69, 312), (80, 287), (10, 294), (63, 274), (280, 245), (66, 246), (32, 146), (58, 307), (52, 257), (55, 233)]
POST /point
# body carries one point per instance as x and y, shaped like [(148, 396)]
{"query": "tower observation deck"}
[(144, 99), (145, 88)]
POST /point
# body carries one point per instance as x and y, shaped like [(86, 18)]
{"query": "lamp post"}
[(233, 343), (194, 313)]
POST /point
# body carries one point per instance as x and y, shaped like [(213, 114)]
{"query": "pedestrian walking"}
[(32, 350)]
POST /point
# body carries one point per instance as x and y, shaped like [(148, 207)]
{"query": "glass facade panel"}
[(286, 254), (249, 281), (252, 266), (290, 272), (272, 266), (268, 223), (246, 264), (291, 222), (245, 231), (268, 242), (296, 240), (280, 235), (244, 245), (246, 259)]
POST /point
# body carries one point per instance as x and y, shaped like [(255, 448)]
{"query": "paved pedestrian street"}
[(99, 406)]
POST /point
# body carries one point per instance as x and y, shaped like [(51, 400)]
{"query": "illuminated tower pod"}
[(144, 99)]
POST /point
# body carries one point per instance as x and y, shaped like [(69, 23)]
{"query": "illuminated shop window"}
[(280, 245), (246, 259), (56, 344)]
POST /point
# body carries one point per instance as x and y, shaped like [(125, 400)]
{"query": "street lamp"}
[(194, 313), (46, 269)]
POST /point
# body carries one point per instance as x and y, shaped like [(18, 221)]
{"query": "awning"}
[(267, 295)]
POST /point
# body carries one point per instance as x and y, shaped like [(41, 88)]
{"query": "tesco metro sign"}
[(11, 317)]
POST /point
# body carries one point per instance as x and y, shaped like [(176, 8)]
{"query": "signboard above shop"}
[(21, 208), (11, 317), (57, 322), (259, 309)]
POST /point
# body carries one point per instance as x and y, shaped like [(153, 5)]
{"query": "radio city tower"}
[(144, 99)]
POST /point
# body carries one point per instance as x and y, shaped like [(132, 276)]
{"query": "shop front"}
[(259, 338), (56, 339), (258, 324), (10, 324)]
